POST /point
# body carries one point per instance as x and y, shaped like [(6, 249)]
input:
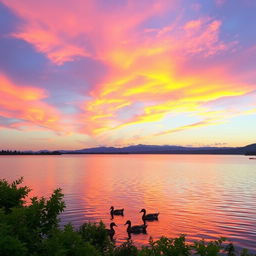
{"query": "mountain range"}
[(166, 149), (145, 149)]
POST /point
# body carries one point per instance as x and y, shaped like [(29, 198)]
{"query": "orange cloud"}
[(25, 104), (48, 43), (64, 32), (181, 128), (152, 72), (160, 91)]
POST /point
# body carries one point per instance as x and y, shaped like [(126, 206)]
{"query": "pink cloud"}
[(152, 71), (25, 103), (220, 2), (64, 32), (149, 69)]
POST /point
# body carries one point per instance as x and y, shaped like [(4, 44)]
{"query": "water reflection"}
[(201, 196)]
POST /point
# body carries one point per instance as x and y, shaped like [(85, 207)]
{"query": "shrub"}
[(95, 234), (27, 225), (126, 249), (212, 248), (67, 242), (166, 246), (12, 195)]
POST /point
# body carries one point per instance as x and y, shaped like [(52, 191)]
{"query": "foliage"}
[(32, 229), (96, 234), (246, 253), (166, 246), (11, 194), (230, 249), (68, 242), (212, 248), (126, 249), (10, 244), (27, 225)]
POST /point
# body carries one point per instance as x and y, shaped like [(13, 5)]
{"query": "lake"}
[(202, 196)]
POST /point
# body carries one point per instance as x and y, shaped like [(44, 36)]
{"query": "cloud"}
[(87, 29), (25, 105), (182, 128), (220, 2), (157, 63), (152, 72)]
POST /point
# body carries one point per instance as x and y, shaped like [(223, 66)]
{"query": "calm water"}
[(198, 195)]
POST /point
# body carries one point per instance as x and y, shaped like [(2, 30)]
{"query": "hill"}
[(167, 149)]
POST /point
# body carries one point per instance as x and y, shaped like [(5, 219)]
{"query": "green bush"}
[(126, 249), (12, 195), (29, 224), (212, 248), (95, 234), (166, 246), (67, 242)]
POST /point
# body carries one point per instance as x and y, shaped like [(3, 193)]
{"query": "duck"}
[(150, 216), (135, 229), (111, 231), (117, 211)]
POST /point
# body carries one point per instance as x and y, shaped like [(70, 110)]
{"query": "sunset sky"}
[(85, 73)]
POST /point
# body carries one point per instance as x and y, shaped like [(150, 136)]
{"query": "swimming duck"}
[(111, 231), (135, 229), (117, 211), (150, 216)]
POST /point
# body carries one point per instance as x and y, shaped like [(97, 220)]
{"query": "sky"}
[(86, 73)]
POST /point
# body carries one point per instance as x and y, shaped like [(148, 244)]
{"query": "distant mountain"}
[(250, 149), (145, 149), (166, 149)]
